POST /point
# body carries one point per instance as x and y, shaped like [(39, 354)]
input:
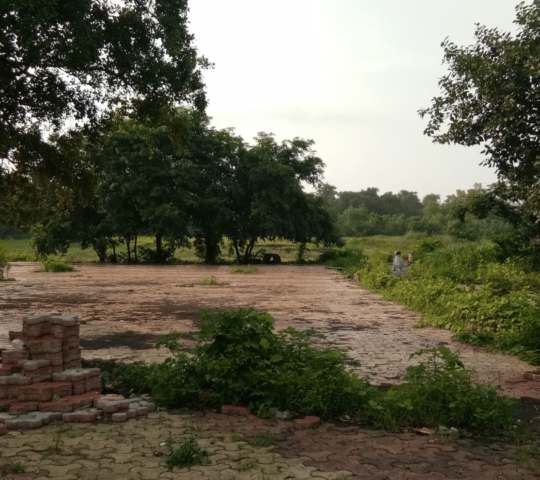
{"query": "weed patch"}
[(244, 270), (17, 467), (529, 457), (57, 266), (240, 360), (262, 439), (187, 455)]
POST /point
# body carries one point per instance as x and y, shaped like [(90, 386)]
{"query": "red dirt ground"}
[(128, 307)]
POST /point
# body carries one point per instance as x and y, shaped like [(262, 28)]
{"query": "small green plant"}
[(58, 439), (244, 270), (236, 437), (262, 439), (187, 455), (528, 457), (245, 466), (209, 281), (5, 408), (17, 467), (57, 266)]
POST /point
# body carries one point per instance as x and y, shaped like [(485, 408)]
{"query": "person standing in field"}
[(399, 264)]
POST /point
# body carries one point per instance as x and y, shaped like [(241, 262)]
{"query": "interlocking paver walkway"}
[(128, 307), (127, 452)]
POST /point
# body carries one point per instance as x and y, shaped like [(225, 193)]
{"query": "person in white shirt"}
[(399, 265)]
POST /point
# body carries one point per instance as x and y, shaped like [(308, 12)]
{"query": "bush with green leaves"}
[(351, 261), (20, 257), (441, 391), (244, 270), (465, 288), (187, 455), (241, 360), (57, 266)]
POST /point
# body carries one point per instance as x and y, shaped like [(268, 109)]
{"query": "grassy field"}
[(287, 250)]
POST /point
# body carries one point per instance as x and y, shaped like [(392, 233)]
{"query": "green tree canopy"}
[(74, 59), (490, 98)]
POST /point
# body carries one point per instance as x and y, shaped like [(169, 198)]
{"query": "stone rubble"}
[(44, 381)]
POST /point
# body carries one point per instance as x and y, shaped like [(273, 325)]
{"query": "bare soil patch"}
[(126, 308)]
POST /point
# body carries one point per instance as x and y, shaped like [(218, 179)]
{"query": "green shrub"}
[(240, 360), (351, 261), (187, 455), (57, 266), (427, 245), (244, 270), (209, 281), (20, 257), (441, 391)]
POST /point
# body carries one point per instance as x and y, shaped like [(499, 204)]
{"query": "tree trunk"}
[(159, 248), (113, 243), (249, 249), (128, 244), (238, 258), (135, 249)]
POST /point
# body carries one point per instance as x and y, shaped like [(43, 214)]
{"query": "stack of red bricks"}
[(43, 380)]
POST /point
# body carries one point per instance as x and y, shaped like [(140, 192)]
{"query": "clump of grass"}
[(529, 457), (236, 437), (262, 439), (209, 281), (187, 455), (244, 270), (57, 266), (245, 466), (17, 467)]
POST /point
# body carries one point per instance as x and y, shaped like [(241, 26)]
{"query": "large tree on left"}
[(72, 60)]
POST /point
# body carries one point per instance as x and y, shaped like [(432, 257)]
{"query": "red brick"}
[(39, 372), (9, 391), (305, 423), (70, 343), (56, 359), (47, 344), (80, 416), (92, 383), (23, 407), (44, 392), (72, 355), (65, 405), (71, 365), (233, 410), (12, 357), (78, 388)]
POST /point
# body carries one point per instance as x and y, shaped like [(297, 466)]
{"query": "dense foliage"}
[(74, 59), (470, 288), (240, 360), (468, 215), (490, 97), (186, 184)]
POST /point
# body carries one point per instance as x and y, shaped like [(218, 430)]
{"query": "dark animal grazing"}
[(271, 259)]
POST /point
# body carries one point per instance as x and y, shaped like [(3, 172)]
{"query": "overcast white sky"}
[(349, 74)]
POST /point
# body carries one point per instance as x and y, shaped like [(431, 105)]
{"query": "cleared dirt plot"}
[(127, 308)]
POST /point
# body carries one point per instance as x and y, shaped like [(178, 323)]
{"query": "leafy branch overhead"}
[(75, 59)]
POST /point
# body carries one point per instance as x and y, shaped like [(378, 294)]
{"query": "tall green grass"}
[(467, 288)]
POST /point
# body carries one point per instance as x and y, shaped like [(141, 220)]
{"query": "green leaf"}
[(276, 358), (265, 343)]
